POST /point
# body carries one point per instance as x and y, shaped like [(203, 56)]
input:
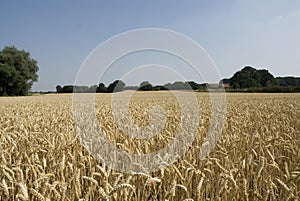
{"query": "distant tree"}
[(76, 89), (225, 81), (250, 77), (101, 88), (288, 81), (168, 86), (145, 86), (178, 85), (297, 89), (266, 78), (18, 71), (203, 85), (235, 85), (116, 86), (67, 89), (247, 77), (93, 89), (194, 85), (131, 88), (58, 89), (144, 83), (159, 88)]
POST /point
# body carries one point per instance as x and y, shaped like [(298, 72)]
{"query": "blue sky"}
[(61, 33)]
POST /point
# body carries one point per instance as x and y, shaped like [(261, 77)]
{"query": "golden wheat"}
[(256, 158)]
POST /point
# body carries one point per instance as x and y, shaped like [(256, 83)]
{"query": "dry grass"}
[(257, 157)]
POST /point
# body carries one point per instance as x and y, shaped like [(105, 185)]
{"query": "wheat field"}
[(256, 158)]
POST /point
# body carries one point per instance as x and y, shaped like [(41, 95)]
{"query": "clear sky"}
[(61, 33)]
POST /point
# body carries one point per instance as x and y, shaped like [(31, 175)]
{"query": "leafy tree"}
[(245, 78), (250, 77), (168, 86), (194, 85), (116, 86), (266, 78), (145, 86), (225, 81), (159, 88), (178, 85), (18, 71), (131, 88), (288, 81), (101, 88), (93, 89), (67, 89), (58, 89), (144, 83)]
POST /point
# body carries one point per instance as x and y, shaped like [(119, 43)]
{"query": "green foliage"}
[(59, 89), (266, 78), (288, 81), (271, 89), (116, 86), (159, 88), (68, 89), (101, 88), (145, 86), (252, 80), (194, 85), (18, 71), (225, 81), (180, 86), (250, 77), (131, 88)]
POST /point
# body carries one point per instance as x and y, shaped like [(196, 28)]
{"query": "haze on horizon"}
[(60, 34)]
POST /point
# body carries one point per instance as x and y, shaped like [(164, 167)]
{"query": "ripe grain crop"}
[(256, 158)]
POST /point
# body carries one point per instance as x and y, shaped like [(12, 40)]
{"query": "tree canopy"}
[(145, 86), (116, 86), (18, 71), (251, 77), (247, 79), (288, 81)]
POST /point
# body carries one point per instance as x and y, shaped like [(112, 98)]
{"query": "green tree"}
[(168, 86), (178, 85), (266, 78), (58, 89), (193, 85), (116, 86), (145, 86), (101, 88), (68, 89), (93, 89), (250, 77), (288, 81), (18, 71)]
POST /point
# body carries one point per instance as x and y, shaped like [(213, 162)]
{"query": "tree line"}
[(119, 85), (247, 79), (18, 72), (116, 86), (250, 79)]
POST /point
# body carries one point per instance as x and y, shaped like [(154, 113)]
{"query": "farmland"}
[(256, 158)]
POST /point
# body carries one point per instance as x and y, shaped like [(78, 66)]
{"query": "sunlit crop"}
[(256, 158)]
